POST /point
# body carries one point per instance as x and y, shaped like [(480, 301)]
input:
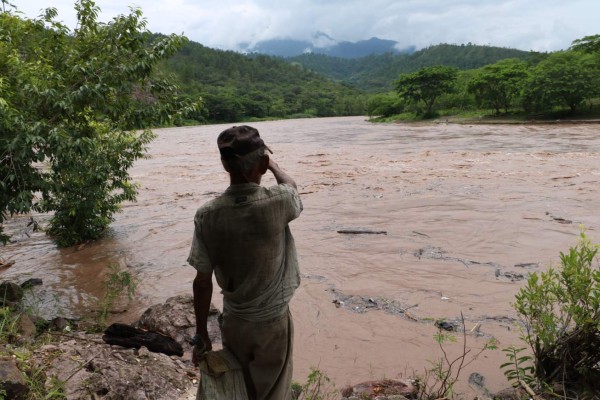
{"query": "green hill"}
[(238, 87), (377, 73)]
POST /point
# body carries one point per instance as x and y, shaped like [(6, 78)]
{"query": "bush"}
[(385, 105), (561, 311), (70, 106)]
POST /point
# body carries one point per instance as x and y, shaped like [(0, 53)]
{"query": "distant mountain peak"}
[(322, 40), (322, 43), (319, 34)]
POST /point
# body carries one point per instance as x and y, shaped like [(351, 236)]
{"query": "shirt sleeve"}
[(294, 204), (198, 257)]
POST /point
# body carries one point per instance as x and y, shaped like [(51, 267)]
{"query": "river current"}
[(463, 213)]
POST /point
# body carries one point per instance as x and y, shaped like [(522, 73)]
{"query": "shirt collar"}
[(242, 187)]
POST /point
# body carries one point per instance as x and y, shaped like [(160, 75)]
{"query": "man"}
[(243, 236)]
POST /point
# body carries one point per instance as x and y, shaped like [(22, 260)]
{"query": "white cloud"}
[(542, 25)]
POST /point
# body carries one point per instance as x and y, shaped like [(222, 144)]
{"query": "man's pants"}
[(264, 349)]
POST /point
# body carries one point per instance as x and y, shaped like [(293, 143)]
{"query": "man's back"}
[(246, 236)]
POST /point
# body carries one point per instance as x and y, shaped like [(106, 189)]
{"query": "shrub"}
[(70, 107), (561, 311)]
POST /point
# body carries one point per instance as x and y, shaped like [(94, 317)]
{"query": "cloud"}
[(542, 25)]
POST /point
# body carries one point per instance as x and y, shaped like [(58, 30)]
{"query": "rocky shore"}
[(61, 357), (61, 354)]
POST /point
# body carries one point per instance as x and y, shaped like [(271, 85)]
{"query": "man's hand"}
[(280, 176), (200, 350)]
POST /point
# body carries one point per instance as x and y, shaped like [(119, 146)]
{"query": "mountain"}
[(377, 72), (236, 87), (323, 44)]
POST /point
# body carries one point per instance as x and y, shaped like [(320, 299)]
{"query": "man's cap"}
[(238, 141)]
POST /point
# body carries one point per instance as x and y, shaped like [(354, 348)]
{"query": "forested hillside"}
[(377, 73), (237, 87)]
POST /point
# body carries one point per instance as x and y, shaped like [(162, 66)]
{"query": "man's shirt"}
[(244, 237)]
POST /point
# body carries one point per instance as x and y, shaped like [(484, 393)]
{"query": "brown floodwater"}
[(468, 210)]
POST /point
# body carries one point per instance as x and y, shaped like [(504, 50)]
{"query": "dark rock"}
[(447, 326), (26, 329), (131, 337), (10, 293), (58, 324), (476, 379), (527, 265), (477, 382), (29, 283), (514, 276), (11, 380), (361, 232), (176, 319)]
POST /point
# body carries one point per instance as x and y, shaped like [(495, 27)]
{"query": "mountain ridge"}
[(326, 45)]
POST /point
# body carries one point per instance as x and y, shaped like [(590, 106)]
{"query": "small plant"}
[(39, 384), (518, 369), (318, 386), (116, 282), (438, 382), (8, 321), (561, 313)]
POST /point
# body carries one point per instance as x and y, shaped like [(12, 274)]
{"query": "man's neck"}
[(240, 180)]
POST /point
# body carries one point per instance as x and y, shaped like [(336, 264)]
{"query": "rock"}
[(510, 394), (92, 369), (10, 293), (49, 348), (11, 380), (477, 382), (447, 326), (382, 389), (26, 329), (58, 324), (128, 336), (29, 283), (476, 379), (143, 352), (176, 319)]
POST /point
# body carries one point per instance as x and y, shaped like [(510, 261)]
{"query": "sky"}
[(539, 25)]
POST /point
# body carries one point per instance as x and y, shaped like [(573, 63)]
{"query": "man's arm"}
[(280, 176), (203, 288)]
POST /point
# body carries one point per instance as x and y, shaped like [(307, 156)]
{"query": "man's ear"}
[(225, 165), (264, 164)]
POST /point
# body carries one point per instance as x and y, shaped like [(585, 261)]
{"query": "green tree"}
[(565, 78), (587, 44), (72, 103), (498, 84), (384, 105), (426, 85)]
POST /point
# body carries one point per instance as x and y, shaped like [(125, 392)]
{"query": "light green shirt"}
[(244, 237)]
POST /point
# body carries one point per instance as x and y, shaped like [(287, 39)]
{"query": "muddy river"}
[(467, 211)]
